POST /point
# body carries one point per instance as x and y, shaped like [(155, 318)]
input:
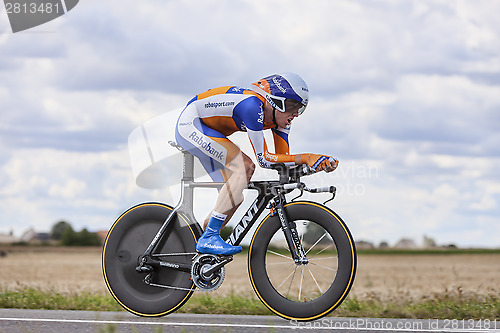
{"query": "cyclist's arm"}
[(252, 113), (318, 162), (266, 159), (280, 136)]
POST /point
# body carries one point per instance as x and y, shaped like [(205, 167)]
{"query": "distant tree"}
[(68, 237), (81, 238), (383, 245), (86, 238), (58, 230)]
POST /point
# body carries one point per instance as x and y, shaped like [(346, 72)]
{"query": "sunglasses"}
[(280, 103)]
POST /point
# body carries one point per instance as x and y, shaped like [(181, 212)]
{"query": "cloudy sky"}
[(406, 94)]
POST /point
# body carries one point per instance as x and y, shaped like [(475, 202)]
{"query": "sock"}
[(215, 223)]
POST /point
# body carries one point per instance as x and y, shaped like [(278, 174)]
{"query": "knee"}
[(242, 168)]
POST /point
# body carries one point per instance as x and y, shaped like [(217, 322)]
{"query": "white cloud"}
[(44, 185)]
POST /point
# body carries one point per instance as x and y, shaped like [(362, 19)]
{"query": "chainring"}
[(206, 282)]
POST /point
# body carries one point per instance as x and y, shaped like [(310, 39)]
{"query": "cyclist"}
[(210, 117)]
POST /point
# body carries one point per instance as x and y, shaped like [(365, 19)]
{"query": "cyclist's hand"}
[(322, 162)]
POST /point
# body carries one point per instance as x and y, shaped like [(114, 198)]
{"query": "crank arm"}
[(226, 259)]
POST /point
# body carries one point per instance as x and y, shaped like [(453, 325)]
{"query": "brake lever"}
[(333, 197)]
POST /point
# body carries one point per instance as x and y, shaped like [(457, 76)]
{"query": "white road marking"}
[(83, 321), (294, 325)]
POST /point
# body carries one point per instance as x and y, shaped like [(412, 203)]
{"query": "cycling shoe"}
[(212, 243)]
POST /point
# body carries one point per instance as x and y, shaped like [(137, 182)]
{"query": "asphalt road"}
[(49, 321)]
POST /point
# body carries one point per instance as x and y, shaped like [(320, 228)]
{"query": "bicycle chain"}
[(147, 278), (175, 254)]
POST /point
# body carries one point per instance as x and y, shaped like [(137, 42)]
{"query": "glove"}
[(322, 162)]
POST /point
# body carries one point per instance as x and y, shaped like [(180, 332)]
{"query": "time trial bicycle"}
[(301, 257)]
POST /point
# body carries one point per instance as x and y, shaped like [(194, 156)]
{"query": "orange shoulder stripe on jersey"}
[(214, 91), (250, 92)]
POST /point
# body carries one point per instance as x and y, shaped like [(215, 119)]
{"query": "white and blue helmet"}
[(279, 87)]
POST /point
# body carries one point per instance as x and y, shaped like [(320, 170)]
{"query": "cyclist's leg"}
[(238, 174), (233, 186), (220, 157), (229, 199), (216, 153)]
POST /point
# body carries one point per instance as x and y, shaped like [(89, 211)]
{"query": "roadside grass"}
[(35, 298), (439, 307), (429, 251), (448, 305)]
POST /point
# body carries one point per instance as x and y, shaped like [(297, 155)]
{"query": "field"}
[(381, 279)]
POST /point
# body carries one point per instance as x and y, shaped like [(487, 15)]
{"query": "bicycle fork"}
[(290, 230)]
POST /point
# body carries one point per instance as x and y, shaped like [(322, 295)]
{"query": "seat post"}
[(187, 191), (187, 166)]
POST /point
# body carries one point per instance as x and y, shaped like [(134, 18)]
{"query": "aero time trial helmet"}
[(278, 87)]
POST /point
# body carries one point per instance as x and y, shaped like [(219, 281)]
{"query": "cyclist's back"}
[(230, 109), (210, 117)]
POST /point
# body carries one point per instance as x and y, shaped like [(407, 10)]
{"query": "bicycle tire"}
[(126, 242), (273, 279)]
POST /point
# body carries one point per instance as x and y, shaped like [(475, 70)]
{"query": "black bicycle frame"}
[(267, 191)]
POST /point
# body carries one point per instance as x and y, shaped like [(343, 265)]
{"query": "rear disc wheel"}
[(125, 244)]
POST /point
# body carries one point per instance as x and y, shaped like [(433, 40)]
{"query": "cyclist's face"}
[(284, 119), (292, 106)]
